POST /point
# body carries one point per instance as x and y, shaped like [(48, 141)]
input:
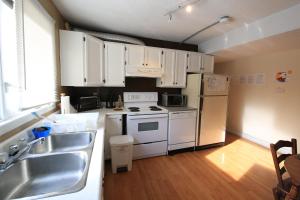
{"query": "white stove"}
[(142, 103), (147, 123)]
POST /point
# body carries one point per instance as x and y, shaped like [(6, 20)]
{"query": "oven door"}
[(147, 128)]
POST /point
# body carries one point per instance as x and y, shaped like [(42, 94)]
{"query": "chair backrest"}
[(278, 158)]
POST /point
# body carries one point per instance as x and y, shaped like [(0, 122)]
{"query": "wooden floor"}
[(239, 170)]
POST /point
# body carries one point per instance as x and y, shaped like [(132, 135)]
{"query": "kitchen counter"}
[(177, 109), (71, 123), (93, 188)]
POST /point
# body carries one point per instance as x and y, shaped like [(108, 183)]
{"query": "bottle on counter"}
[(65, 104)]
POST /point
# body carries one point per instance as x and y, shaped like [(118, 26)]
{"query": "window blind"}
[(39, 85)]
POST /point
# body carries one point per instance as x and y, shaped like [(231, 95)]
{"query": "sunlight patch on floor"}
[(243, 153)]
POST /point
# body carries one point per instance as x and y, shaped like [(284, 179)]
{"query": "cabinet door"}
[(114, 64), (168, 67), (93, 61), (134, 58), (180, 69), (207, 64), (194, 62), (113, 127), (153, 57)]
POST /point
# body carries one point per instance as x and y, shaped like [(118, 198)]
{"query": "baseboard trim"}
[(256, 140)]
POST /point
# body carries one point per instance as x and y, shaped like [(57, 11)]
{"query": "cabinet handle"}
[(176, 83), (84, 79), (146, 64), (104, 81), (143, 64)]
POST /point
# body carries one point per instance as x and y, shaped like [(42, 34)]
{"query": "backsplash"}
[(132, 85)]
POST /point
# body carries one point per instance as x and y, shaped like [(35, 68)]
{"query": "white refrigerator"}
[(209, 94)]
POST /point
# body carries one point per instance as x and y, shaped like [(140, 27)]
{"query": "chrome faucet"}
[(6, 163)]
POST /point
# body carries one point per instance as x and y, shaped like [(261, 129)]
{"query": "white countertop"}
[(89, 120), (92, 121), (93, 187)]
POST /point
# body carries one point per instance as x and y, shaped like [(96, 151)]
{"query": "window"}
[(27, 57), (39, 49)]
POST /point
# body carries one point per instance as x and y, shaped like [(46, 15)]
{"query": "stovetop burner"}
[(154, 108), (134, 109)]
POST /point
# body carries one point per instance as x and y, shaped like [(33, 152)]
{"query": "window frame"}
[(24, 116)]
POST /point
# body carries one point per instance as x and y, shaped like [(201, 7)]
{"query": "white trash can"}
[(121, 152)]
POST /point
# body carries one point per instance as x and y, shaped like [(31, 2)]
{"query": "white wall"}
[(268, 112)]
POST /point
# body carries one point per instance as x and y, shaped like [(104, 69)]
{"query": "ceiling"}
[(281, 42), (145, 18)]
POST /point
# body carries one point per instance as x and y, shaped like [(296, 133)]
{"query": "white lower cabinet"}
[(174, 69), (113, 127)]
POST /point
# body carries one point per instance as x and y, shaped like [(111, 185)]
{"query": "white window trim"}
[(2, 103), (24, 117)]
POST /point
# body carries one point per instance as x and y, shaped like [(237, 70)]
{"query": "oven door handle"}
[(137, 117)]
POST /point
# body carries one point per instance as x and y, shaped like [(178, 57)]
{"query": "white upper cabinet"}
[(168, 69), (180, 69), (81, 59), (135, 57), (153, 57), (194, 62), (114, 64), (142, 61), (174, 69), (207, 63), (88, 61), (93, 61)]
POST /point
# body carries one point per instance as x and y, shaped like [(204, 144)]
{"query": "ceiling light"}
[(186, 4), (188, 8), (224, 19)]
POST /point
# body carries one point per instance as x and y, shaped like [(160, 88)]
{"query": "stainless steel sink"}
[(63, 142), (61, 170)]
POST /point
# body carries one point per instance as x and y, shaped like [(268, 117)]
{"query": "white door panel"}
[(114, 64), (134, 59), (194, 62), (148, 128), (182, 127), (168, 74), (153, 57), (215, 84), (93, 61), (213, 120), (207, 64), (180, 72)]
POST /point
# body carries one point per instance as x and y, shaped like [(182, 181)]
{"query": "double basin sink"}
[(57, 166)]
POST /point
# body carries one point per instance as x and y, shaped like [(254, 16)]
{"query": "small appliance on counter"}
[(86, 103), (174, 100)]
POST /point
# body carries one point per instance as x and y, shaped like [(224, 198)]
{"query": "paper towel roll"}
[(65, 104)]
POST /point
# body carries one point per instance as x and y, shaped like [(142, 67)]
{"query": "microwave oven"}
[(174, 100)]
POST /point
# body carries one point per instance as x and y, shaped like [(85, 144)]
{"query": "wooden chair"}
[(284, 185)]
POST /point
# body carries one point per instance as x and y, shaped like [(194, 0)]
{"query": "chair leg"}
[(276, 194)]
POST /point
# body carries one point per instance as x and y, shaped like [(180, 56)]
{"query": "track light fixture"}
[(222, 19)]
